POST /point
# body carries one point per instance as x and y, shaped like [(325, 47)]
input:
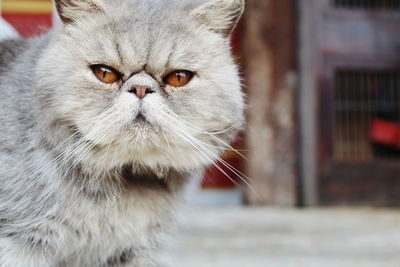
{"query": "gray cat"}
[(102, 122)]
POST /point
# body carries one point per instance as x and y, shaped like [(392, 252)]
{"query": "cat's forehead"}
[(157, 45), (157, 35), (130, 42), (154, 10)]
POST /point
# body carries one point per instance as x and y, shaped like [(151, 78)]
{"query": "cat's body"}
[(63, 222), (83, 181)]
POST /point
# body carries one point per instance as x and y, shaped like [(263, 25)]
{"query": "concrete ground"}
[(258, 237)]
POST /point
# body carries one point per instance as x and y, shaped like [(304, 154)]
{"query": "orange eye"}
[(178, 78), (106, 74)]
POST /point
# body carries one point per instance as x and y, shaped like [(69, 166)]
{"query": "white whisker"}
[(210, 156)]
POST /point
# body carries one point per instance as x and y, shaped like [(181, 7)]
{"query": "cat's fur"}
[(82, 183)]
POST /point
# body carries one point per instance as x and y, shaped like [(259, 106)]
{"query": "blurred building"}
[(323, 80), (350, 64), (342, 146)]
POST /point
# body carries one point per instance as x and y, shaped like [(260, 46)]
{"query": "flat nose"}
[(141, 91)]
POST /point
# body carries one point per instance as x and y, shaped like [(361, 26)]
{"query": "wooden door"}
[(356, 81)]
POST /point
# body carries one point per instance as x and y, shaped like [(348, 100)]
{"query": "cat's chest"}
[(105, 229)]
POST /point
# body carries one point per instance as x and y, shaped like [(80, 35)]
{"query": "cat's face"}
[(152, 83)]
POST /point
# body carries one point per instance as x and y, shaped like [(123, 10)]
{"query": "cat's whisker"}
[(199, 130), (80, 149), (63, 157), (239, 174), (235, 126), (55, 160), (168, 142), (87, 147), (212, 157), (216, 138), (204, 153)]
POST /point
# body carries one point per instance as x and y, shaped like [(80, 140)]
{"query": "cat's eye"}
[(178, 78), (106, 74)]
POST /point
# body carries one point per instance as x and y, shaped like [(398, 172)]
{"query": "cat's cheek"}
[(170, 90), (107, 88)]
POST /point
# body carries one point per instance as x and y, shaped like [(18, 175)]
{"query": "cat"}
[(6, 30), (103, 121)]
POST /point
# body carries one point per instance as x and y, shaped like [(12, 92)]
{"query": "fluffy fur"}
[(83, 182)]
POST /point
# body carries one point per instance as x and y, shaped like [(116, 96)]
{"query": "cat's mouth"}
[(140, 120)]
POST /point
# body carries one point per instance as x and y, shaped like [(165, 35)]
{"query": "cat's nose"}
[(141, 91)]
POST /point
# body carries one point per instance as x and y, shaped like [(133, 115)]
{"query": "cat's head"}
[(148, 82)]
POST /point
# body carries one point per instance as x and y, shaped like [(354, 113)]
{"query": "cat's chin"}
[(140, 124), (151, 154)]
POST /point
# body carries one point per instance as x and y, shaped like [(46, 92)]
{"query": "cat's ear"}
[(220, 16), (71, 10)]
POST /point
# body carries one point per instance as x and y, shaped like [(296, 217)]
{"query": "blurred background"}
[(322, 146)]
